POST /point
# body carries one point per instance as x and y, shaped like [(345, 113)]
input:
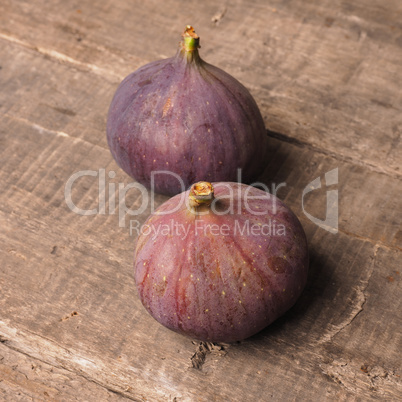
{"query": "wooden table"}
[(327, 77)]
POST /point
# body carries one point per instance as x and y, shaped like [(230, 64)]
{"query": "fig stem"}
[(191, 41), (190, 45), (201, 193)]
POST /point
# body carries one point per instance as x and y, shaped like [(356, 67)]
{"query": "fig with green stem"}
[(220, 261), (179, 120)]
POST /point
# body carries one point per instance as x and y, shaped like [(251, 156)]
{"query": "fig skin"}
[(212, 281), (185, 116)]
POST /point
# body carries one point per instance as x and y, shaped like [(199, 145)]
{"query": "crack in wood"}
[(360, 378), (375, 243), (78, 373), (343, 158), (35, 378), (44, 130), (360, 302), (95, 370), (203, 350), (63, 58), (217, 18)]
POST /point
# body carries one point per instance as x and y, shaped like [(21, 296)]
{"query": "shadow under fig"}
[(277, 156)]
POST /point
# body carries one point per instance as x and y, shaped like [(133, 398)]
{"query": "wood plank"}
[(322, 73), (53, 253), (81, 131), (112, 333), (23, 378), (68, 305)]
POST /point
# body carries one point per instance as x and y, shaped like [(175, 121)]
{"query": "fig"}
[(221, 261), (179, 120)]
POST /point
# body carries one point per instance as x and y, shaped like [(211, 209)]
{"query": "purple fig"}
[(220, 262), (179, 120)]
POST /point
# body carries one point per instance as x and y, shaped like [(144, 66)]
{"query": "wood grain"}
[(323, 73), (326, 78), (24, 378)]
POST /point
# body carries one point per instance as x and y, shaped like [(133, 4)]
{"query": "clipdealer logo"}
[(330, 223), (112, 200)]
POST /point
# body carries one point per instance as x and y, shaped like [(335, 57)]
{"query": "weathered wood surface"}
[(327, 78)]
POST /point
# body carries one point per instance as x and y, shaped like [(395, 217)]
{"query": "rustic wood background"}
[(327, 76)]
